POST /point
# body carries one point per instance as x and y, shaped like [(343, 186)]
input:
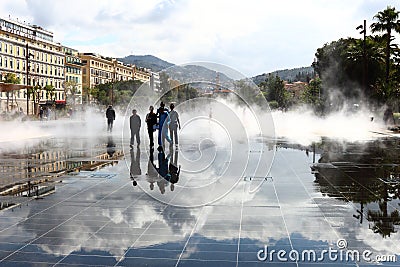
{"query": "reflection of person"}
[(48, 113), (152, 174), (134, 124), (162, 129), (151, 120), (174, 124), (174, 170), (163, 171), (135, 165), (110, 115), (110, 146), (388, 116)]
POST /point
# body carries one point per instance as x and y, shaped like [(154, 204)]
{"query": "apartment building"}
[(73, 76), (96, 69), (29, 52), (142, 74)]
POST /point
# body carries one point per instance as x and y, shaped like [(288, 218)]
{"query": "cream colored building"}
[(98, 69), (142, 74), (23, 44)]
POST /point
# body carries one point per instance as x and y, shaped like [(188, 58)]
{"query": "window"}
[(1, 46), (5, 62), (5, 48), (11, 49), (17, 50), (1, 61), (18, 64)]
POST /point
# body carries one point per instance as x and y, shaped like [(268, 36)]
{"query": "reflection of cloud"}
[(376, 242), (123, 226)]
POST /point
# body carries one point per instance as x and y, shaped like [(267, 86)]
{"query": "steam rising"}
[(304, 127)]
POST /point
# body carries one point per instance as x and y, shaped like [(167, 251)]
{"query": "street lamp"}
[(363, 31), (27, 56)]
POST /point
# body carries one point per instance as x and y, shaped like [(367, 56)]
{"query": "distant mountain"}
[(184, 74), (290, 75), (147, 61), (197, 74)]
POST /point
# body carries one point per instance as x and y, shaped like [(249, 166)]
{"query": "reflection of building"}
[(19, 43), (73, 75), (49, 160)]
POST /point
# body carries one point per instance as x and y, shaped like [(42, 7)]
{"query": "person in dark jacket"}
[(151, 121), (135, 124), (110, 115)]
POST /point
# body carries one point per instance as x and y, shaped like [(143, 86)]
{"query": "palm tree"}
[(387, 21)]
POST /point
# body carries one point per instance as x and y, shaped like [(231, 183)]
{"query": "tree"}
[(314, 95), (50, 91), (375, 58), (276, 91), (71, 88), (387, 21), (11, 78)]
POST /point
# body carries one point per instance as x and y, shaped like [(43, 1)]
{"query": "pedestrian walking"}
[(151, 121), (174, 123), (135, 123), (163, 128), (110, 115), (41, 112)]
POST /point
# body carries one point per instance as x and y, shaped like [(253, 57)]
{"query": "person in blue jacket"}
[(163, 122)]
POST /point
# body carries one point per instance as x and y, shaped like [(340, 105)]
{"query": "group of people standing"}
[(164, 120)]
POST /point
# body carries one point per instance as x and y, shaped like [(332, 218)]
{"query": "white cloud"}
[(250, 36)]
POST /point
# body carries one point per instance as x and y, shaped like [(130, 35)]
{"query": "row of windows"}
[(43, 82), (124, 71), (98, 80), (100, 65), (101, 73), (73, 60), (73, 70), (43, 95), (20, 51), (9, 63), (72, 79)]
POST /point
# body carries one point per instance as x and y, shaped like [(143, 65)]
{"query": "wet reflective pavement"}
[(311, 198)]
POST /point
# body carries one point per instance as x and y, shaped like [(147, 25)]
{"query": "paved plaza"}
[(312, 197)]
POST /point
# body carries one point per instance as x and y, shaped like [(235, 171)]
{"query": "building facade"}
[(73, 76), (29, 52), (142, 74)]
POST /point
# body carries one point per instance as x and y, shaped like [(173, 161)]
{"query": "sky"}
[(252, 37)]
